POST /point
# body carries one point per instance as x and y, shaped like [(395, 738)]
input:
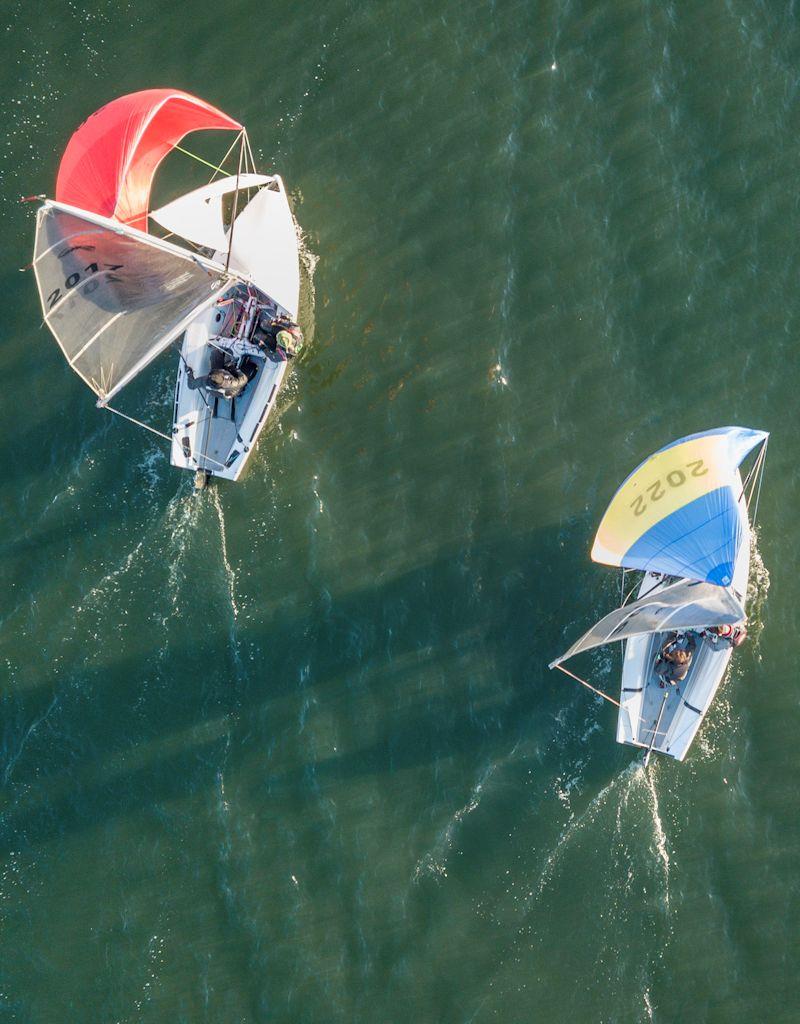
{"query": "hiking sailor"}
[(279, 335), (725, 636)]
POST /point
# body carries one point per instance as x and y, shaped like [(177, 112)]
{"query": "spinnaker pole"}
[(588, 686)]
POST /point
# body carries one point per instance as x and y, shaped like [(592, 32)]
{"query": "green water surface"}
[(290, 752)]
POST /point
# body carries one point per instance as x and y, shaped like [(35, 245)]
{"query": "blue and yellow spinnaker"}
[(678, 512)]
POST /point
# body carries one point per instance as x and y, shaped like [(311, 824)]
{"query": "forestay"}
[(114, 297), (683, 605)]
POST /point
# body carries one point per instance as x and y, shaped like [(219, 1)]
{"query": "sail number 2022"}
[(657, 490)]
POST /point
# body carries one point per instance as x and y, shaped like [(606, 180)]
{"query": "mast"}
[(235, 200)]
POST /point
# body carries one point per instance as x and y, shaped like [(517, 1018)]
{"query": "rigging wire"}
[(754, 470), (761, 460), (249, 150), (230, 149)]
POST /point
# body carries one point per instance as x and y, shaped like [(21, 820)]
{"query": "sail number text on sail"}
[(675, 478), (75, 278)]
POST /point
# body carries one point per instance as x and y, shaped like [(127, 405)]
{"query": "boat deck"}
[(226, 419), (211, 432), (680, 697)]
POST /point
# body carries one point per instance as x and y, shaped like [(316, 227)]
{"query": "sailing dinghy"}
[(116, 295), (681, 519)]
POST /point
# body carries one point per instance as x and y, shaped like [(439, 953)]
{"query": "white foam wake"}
[(230, 576), (230, 580), (659, 835), (180, 523), (434, 862), (577, 824), (632, 781)]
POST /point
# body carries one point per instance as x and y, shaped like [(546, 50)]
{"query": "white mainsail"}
[(686, 604), (198, 215), (115, 297)]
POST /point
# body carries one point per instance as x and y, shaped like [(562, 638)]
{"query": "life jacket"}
[(268, 329), (288, 337), (739, 636)]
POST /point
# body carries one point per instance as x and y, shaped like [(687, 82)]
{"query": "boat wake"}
[(110, 580), (634, 789), (757, 590), (578, 823), (180, 524), (12, 761), (230, 576), (434, 863), (308, 296), (230, 580), (659, 835)]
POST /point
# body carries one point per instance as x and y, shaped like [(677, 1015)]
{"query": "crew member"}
[(227, 381), (722, 636), (280, 335), (675, 658)]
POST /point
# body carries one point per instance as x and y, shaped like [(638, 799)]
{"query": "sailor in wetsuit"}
[(675, 658), (226, 380), (279, 335)]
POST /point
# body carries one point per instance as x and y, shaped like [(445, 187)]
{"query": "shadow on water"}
[(156, 725)]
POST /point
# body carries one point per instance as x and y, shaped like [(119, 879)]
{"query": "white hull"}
[(209, 432), (684, 705)]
